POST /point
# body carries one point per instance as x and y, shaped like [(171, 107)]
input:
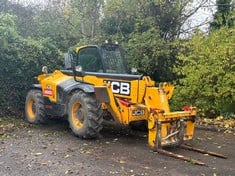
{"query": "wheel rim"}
[(77, 115), (31, 109)]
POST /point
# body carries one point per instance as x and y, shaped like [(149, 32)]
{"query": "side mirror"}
[(68, 58), (45, 70)]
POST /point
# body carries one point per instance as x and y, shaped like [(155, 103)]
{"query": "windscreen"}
[(113, 59)]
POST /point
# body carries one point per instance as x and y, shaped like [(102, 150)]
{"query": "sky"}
[(202, 17)]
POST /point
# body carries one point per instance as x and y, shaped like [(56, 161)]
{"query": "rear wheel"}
[(34, 107), (84, 115)]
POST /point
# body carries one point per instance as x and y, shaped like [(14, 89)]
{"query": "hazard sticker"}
[(48, 92)]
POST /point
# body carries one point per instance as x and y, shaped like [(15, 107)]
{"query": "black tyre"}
[(34, 107), (84, 115)]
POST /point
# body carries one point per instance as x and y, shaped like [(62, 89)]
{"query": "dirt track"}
[(53, 150)]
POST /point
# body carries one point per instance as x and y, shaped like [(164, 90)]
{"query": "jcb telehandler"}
[(97, 85)]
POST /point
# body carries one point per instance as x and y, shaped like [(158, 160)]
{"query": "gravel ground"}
[(53, 150)]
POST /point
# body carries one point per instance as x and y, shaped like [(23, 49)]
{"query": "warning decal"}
[(48, 92)]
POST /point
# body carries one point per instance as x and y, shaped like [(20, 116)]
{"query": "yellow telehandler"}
[(96, 85)]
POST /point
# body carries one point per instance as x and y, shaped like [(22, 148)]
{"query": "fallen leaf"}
[(37, 154), (67, 156), (88, 152), (44, 164), (219, 118), (122, 162), (68, 171)]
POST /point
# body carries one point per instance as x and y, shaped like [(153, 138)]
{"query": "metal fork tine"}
[(188, 147), (181, 157)]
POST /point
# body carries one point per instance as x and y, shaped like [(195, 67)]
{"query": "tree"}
[(206, 67), (148, 28), (64, 22), (68, 23), (225, 14), (89, 14)]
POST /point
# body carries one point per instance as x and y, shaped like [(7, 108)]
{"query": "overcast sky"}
[(202, 18)]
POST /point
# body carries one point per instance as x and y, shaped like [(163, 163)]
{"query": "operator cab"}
[(107, 58)]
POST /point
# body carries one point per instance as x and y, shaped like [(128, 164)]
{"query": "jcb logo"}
[(138, 112), (122, 88)]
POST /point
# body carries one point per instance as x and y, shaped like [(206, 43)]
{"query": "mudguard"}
[(70, 85), (36, 86)]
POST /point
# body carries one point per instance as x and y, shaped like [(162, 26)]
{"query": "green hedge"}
[(21, 59)]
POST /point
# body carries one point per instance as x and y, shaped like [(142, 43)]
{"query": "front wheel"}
[(34, 107), (84, 115)]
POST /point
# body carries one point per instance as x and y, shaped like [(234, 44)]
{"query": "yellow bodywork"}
[(144, 102), (50, 82)]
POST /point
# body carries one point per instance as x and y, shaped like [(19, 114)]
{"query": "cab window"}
[(89, 59)]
